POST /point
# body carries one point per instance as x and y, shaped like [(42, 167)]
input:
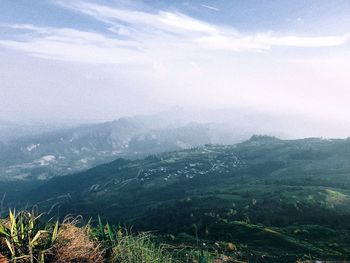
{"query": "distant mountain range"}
[(44, 151), (65, 151)]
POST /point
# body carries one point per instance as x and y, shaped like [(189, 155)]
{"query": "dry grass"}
[(74, 244), (3, 259)]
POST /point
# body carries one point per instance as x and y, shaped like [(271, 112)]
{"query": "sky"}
[(85, 61)]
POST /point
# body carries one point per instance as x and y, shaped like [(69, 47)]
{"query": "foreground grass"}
[(25, 237)]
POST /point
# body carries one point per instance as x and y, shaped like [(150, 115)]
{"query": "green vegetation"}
[(24, 238), (274, 200)]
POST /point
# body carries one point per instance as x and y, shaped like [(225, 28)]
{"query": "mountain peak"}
[(263, 138)]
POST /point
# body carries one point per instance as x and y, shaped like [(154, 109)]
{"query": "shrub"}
[(23, 237), (139, 249), (121, 246)]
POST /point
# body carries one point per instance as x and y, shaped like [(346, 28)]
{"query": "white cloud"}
[(166, 21), (183, 22), (141, 36), (297, 41), (210, 7), (193, 30), (76, 46)]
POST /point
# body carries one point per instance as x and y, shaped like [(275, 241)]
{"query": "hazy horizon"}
[(93, 61)]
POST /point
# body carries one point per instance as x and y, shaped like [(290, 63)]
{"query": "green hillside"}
[(276, 200)]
